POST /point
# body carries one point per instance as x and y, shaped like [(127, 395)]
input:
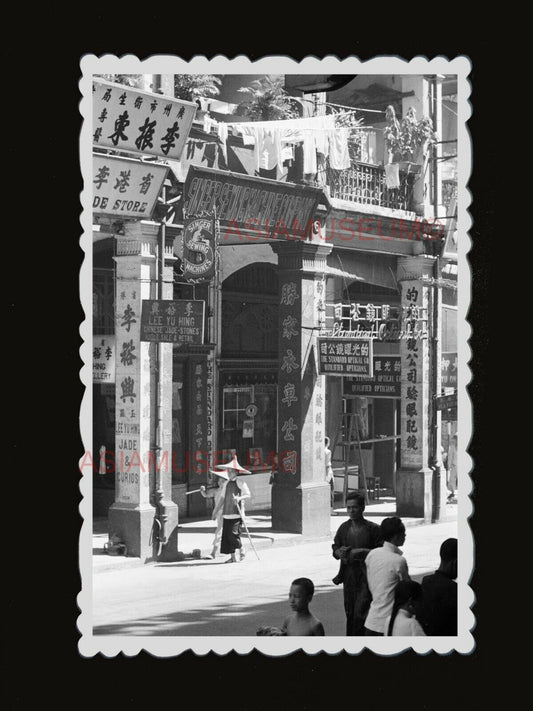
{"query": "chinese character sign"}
[(104, 359), (414, 354), (135, 121), (386, 381), (179, 322), (343, 356), (125, 187)]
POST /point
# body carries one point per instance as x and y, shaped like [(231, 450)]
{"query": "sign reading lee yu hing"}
[(125, 187), (179, 322), (386, 381), (137, 121), (343, 356)]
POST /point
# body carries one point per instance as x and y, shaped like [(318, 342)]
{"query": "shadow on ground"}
[(240, 618)]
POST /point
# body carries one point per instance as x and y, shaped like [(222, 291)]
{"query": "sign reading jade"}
[(179, 322), (126, 187), (134, 121), (198, 250), (340, 356)]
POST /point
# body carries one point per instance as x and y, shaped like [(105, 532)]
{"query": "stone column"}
[(300, 495), (414, 483), (131, 517)]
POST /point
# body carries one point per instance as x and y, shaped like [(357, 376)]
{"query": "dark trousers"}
[(371, 633)]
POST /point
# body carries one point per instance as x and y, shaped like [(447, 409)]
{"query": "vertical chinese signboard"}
[(415, 379), (134, 121), (132, 395), (289, 378)]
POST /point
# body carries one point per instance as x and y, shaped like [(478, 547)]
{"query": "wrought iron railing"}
[(365, 184)]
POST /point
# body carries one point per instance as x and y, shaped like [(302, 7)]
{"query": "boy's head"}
[(301, 594), (393, 530), (448, 557)]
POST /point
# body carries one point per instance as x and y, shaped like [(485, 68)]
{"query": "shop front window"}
[(249, 424)]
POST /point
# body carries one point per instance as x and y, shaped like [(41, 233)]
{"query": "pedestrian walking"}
[(385, 567), (329, 471), (217, 495), (402, 621), (354, 540), (233, 493), (438, 608)]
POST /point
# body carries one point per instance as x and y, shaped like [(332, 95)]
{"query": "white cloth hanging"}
[(392, 175)]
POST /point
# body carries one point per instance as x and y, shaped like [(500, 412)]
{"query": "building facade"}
[(285, 317)]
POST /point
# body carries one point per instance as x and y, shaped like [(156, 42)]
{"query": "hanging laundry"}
[(222, 132), (392, 175), (339, 157)]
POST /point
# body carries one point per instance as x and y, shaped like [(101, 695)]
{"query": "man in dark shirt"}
[(438, 608), (353, 540)]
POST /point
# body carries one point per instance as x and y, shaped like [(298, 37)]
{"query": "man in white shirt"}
[(385, 567)]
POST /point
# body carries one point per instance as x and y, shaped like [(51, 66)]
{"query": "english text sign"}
[(179, 322)]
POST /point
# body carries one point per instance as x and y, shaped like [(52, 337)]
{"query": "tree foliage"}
[(404, 138), (132, 80), (193, 86), (267, 100)]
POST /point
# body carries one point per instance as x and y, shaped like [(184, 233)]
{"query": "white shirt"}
[(405, 625), (385, 567)]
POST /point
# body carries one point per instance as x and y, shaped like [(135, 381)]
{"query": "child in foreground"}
[(301, 623), (402, 621)]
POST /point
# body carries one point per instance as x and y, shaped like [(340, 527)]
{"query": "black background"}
[(41, 577)]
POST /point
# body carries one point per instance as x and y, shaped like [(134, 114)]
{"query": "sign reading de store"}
[(125, 187), (343, 356), (386, 381), (136, 121), (179, 322)]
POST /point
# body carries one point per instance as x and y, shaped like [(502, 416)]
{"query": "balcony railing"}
[(365, 184)]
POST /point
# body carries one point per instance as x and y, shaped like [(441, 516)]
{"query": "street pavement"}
[(211, 598)]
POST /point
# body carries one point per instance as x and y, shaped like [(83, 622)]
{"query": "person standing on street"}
[(218, 497), (329, 471), (233, 494), (385, 567), (352, 543), (438, 609)]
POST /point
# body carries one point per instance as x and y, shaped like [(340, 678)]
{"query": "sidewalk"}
[(198, 534)]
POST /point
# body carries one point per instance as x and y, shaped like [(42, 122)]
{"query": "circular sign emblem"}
[(251, 410)]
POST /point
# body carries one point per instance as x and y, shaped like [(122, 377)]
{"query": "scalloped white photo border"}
[(89, 644)]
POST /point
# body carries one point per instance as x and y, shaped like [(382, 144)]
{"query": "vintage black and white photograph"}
[(275, 420)]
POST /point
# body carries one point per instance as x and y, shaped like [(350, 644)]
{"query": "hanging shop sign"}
[(340, 356), (386, 381), (446, 402), (103, 359), (250, 208), (448, 366), (179, 322), (382, 322), (199, 249), (124, 187), (134, 121)]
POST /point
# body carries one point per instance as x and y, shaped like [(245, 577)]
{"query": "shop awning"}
[(333, 271)]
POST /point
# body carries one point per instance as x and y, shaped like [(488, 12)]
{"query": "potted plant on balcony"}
[(405, 139)]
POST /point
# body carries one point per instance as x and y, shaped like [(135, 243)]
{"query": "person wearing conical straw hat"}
[(233, 492), (218, 496)]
